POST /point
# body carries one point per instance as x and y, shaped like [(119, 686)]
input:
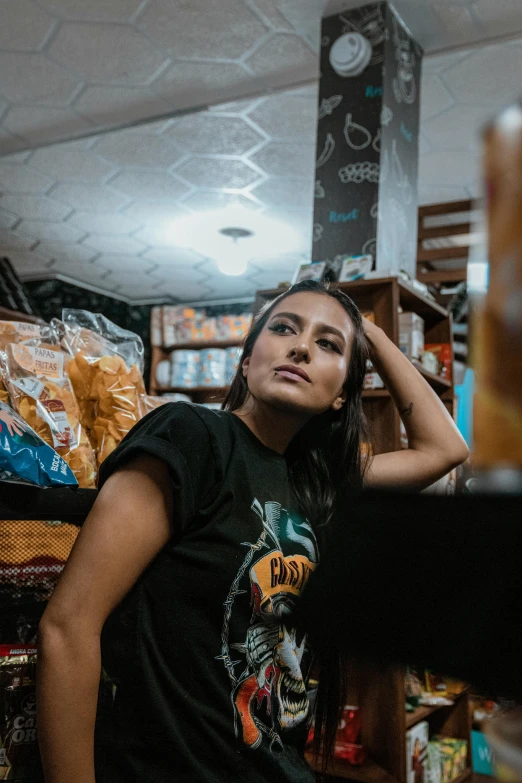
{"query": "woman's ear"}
[(339, 401), (245, 365)]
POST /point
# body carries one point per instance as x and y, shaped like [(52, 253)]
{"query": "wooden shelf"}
[(68, 504), (369, 772), (413, 301), (421, 713), (375, 393), (436, 381), (15, 315)]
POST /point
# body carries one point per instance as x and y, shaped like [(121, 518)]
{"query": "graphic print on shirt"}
[(267, 688)]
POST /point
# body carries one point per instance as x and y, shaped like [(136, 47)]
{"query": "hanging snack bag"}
[(19, 755), (26, 458), (15, 332), (42, 394), (106, 371)]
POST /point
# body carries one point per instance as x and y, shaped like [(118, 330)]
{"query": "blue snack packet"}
[(25, 458)]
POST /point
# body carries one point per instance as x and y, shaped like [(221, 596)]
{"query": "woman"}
[(204, 533)]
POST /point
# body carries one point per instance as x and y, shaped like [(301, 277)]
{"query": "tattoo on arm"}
[(407, 411)]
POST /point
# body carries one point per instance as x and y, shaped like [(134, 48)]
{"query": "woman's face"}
[(300, 360)]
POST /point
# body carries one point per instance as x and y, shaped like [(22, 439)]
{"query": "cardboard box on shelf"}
[(411, 335), (417, 739)]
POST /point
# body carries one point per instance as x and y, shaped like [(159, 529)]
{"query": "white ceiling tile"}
[(84, 273), (63, 163), (448, 168), (174, 257), (109, 106), (91, 198), (17, 157), (186, 84), (271, 278), (271, 14), (492, 74), (63, 251), (284, 52), (150, 213), (434, 63), (148, 184), (34, 77), (37, 207), (120, 263), (209, 201), (9, 143), (234, 107), (458, 128), (434, 96), (287, 117), (185, 291), (19, 178), (158, 233), (107, 223), (456, 21), (286, 159), (38, 124), (208, 134), (45, 231), (218, 173), (140, 290), (23, 25), (28, 264), (7, 219), (107, 53), (201, 27), (433, 194), (172, 273), (227, 286), (424, 145), (93, 10), (11, 240), (280, 193), (136, 149), (499, 17), (114, 244)]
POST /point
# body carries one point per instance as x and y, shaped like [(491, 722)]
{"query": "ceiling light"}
[(235, 236)]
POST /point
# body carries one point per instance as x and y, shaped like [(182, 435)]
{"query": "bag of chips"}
[(106, 371), (26, 458), (15, 332), (19, 755), (42, 394)]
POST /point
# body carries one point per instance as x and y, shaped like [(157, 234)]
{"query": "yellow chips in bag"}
[(42, 394)]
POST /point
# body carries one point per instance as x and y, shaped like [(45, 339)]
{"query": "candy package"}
[(26, 458), (42, 394), (106, 371), (19, 755)]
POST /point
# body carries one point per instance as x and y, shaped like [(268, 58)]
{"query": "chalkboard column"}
[(367, 140)]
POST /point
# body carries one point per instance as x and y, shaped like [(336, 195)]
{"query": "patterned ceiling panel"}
[(100, 210)]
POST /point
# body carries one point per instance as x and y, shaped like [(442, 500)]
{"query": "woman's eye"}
[(281, 328), (330, 345)]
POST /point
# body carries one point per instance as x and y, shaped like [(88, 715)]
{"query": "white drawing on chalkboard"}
[(404, 86), (368, 22), (329, 146), (370, 248), (359, 172), (353, 129), (328, 105), (401, 178), (318, 232), (386, 115), (374, 211), (319, 191), (385, 166), (376, 143)]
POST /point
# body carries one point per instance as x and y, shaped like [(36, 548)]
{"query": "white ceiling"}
[(96, 209)]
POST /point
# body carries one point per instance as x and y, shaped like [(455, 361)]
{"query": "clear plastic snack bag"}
[(106, 371)]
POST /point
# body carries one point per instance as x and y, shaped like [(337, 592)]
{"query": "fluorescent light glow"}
[(478, 276), (201, 232)]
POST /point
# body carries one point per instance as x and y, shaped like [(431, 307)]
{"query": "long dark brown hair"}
[(326, 462)]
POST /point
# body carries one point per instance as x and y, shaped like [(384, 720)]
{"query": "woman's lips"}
[(293, 374)]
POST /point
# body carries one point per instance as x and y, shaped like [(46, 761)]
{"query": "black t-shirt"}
[(202, 681)]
